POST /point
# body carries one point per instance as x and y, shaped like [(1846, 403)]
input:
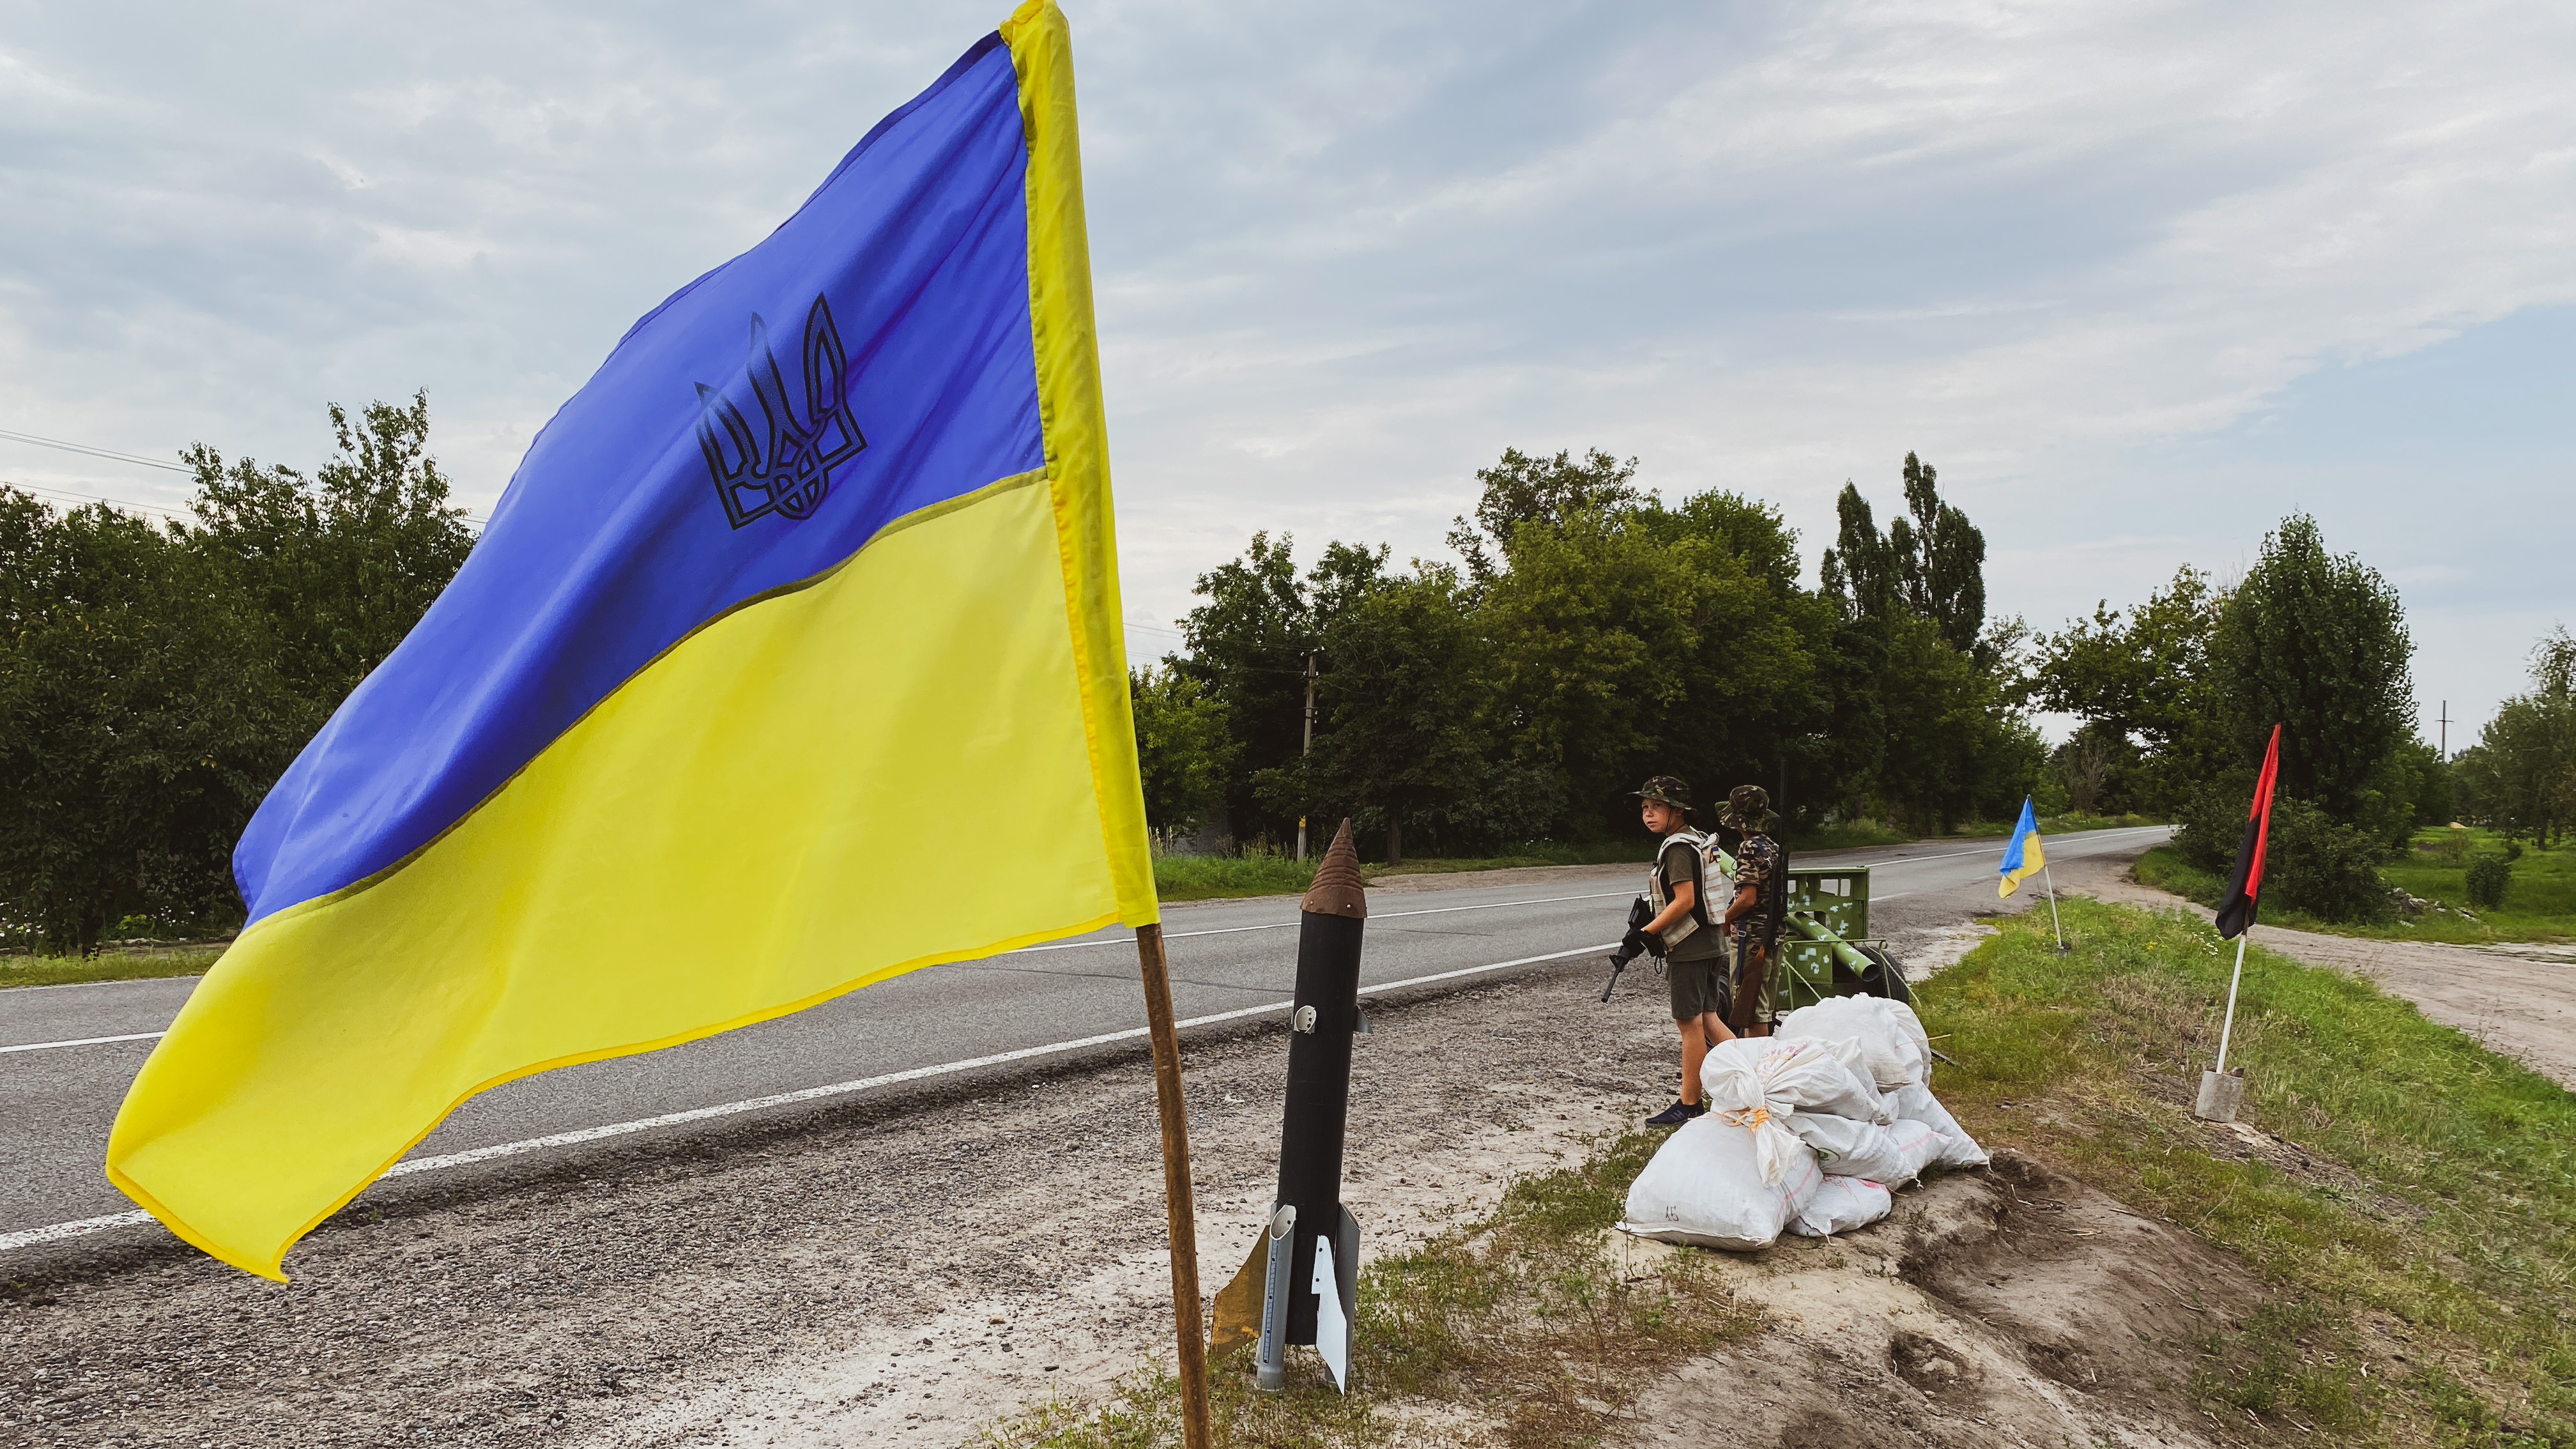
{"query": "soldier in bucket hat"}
[(1753, 917), (1684, 934)]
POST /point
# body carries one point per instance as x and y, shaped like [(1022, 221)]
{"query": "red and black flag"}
[(2237, 911)]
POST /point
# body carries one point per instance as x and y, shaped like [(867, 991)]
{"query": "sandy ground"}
[(2519, 1001), (2007, 1306)]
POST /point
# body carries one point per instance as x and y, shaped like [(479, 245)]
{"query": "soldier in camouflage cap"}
[(1665, 789), (1748, 808), (1682, 932)]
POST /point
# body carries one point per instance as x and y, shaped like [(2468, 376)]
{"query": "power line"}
[(86, 449), (94, 498), (110, 453), (69, 496)]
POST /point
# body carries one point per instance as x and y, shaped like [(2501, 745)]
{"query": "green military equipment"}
[(1825, 945)]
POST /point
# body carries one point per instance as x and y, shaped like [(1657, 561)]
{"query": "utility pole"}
[(1309, 747), (2446, 732)]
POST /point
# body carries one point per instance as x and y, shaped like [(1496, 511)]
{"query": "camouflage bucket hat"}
[(1748, 807), (1667, 789)]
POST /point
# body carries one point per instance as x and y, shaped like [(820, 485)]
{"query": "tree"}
[(2317, 643), (1594, 628), (155, 680), (1925, 714), (2521, 774), (141, 719), (345, 562), (2085, 763), (1862, 573), (1753, 533), (1521, 489), (1629, 637), (1185, 746), (2145, 679), (1404, 701), (1941, 560), (1248, 646), (1932, 562)]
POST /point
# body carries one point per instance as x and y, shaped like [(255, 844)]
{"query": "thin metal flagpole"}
[(2052, 906), (1178, 1207), (2229, 1028)]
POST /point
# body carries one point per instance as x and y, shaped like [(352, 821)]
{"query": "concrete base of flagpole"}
[(2221, 1093)]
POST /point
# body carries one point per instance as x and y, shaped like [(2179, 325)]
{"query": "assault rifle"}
[(1639, 913)]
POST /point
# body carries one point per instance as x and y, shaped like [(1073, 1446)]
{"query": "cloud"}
[(2109, 266)]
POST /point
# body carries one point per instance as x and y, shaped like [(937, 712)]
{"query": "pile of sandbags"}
[(1808, 1131)]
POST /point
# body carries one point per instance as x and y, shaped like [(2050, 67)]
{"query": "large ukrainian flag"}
[(815, 575)]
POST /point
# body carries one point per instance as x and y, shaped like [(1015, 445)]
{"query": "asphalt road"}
[(56, 1101)]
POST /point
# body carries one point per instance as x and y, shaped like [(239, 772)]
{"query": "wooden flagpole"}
[(1178, 1205)]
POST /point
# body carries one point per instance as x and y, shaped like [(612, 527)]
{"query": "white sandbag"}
[(1704, 1186), (1848, 1051), (1893, 1047), (1751, 1082), (1958, 1149), (1895, 1154), (1841, 1204)]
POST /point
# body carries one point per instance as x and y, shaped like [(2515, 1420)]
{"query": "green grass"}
[(1523, 1317), (2540, 906), (1214, 877), (1848, 835), (2441, 1222), (1211, 877), (109, 965)]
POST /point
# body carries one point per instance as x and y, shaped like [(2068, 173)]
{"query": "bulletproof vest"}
[(1681, 930)]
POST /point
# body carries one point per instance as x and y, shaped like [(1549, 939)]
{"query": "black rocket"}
[(1300, 1283)]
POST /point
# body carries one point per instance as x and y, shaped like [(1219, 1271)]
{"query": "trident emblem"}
[(787, 466)]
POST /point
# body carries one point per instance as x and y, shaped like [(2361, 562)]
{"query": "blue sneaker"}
[(1676, 1114)]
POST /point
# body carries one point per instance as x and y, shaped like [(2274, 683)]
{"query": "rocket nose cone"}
[(1337, 890)]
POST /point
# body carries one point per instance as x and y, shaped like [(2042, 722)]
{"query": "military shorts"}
[(1708, 985), (1698, 986)]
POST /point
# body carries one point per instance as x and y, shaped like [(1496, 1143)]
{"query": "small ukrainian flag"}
[(2023, 858)]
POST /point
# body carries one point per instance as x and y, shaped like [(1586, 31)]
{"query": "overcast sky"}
[(2138, 278)]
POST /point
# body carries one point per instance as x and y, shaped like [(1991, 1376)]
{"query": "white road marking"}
[(57, 1232), (42, 1046)]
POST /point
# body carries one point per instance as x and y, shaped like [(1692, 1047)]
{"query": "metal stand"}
[(1270, 1361), (2220, 1093)]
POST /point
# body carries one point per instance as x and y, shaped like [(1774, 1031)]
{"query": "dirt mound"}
[(2007, 1306)]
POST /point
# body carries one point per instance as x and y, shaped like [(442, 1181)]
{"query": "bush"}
[(2489, 877), (2212, 824), (2311, 864), (2330, 871)]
